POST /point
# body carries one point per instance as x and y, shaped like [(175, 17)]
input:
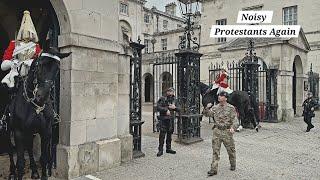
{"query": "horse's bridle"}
[(36, 82)]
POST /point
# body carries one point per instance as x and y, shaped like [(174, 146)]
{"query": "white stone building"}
[(138, 21), (292, 56)]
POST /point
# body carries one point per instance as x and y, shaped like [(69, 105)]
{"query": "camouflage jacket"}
[(163, 106), (223, 115)]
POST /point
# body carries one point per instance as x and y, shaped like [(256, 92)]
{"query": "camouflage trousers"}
[(225, 137)]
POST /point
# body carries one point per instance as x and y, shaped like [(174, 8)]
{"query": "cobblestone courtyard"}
[(279, 151)]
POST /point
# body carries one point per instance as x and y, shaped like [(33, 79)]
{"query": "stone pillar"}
[(94, 131), (285, 109)]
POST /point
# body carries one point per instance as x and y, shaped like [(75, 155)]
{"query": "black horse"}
[(32, 111), (243, 101)]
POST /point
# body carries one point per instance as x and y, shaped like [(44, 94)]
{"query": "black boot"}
[(212, 173), (308, 129), (160, 153), (170, 151), (233, 168)]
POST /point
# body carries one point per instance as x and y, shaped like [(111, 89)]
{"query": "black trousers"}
[(166, 131), (307, 119)]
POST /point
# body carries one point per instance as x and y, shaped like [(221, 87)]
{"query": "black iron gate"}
[(313, 82), (165, 76), (264, 81), (135, 98), (266, 84)]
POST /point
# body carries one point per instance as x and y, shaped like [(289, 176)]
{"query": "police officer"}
[(166, 106), (223, 129), (308, 110)]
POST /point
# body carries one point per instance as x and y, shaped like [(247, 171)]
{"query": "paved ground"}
[(279, 151)]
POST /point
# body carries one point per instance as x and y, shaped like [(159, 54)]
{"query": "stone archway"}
[(46, 23), (297, 85), (148, 87)]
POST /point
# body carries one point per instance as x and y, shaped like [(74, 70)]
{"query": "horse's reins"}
[(35, 90)]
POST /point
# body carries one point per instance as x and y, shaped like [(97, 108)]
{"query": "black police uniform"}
[(166, 123), (308, 114)]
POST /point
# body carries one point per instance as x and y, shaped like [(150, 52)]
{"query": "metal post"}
[(250, 74), (272, 104), (135, 98), (188, 81)]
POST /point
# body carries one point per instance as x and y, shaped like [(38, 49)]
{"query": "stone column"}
[(285, 110)]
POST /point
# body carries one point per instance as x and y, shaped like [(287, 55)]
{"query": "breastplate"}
[(25, 53)]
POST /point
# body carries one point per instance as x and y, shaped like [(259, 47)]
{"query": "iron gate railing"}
[(266, 85), (165, 76)]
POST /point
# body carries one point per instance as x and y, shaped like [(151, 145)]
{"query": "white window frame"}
[(164, 44), (165, 24), (146, 18), (221, 22), (146, 43), (253, 8), (290, 15), (124, 8)]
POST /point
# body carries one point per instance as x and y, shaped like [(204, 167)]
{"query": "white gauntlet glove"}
[(6, 65)]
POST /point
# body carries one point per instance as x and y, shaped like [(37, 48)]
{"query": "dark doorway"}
[(167, 81), (46, 23), (148, 88), (294, 88)]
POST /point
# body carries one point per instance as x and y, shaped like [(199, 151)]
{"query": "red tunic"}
[(222, 80), (8, 53)]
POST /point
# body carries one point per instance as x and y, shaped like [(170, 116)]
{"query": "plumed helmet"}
[(27, 30)]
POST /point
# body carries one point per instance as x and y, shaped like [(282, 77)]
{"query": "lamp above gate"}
[(190, 7), (190, 13)]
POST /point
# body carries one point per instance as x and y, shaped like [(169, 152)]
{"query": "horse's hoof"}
[(257, 129), (239, 128), (35, 175), (12, 177), (49, 172), (44, 178)]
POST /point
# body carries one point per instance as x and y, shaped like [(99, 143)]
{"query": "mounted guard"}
[(21, 52), (222, 82)]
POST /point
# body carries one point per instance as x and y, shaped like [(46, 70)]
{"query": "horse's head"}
[(45, 70), (208, 95)]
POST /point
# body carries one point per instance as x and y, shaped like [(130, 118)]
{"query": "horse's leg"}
[(253, 119), (19, 140), (33, 165), (241, 118), (12, 175), (50, 160), (45, 152)]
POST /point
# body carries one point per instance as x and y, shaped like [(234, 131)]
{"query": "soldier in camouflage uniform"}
[(166, 106), (308, 110), (223, 129)]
